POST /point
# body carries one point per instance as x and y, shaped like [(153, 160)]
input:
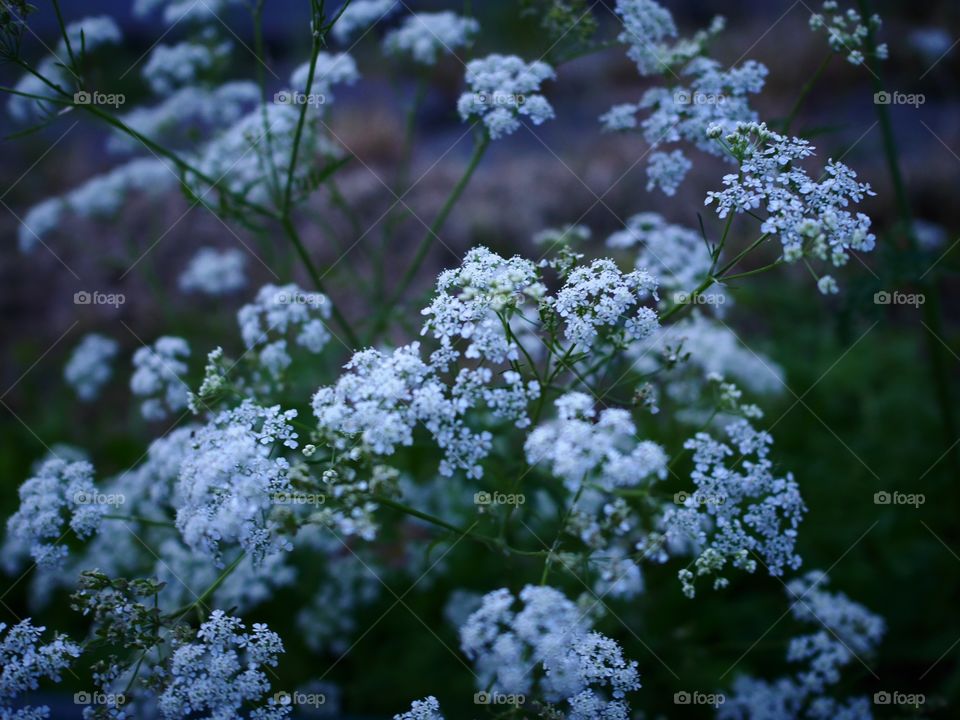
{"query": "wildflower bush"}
[(524, 455)]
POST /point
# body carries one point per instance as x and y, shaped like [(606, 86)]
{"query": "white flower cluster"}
[(810, 217), (582, 446), (186, 112), (158, 376), (740, 511), (502, 89), (99, 197), (425, 36), (677, 256), (426, 709), (89, 366), (171, 67), (713, 95), (183, 11), (277, 312), (222, 672), (229, 479), (360, 15), (59, 498), (328, 70), (846, 630), (472, 302), (89, 34), (599, 300), (581, 668), (24, 661), (376, 405), (214, 272), (846, 31)]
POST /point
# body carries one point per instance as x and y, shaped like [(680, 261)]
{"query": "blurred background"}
[(870, 400)]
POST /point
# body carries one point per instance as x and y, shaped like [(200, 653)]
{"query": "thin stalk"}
[(805, 92), (205, 595)]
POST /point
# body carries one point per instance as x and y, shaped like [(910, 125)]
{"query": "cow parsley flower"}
[(360, 15), (60, 497), (600, 299), (845, 630), (810, 217), (24, 661), (646, 27), (229, 479), (89, 34), (667, 171), (170, 67), (89, 366), (425, 36), (329, 70), (214, 272), (280, 312), (583, 446), (184, 11), (472, 299), (846, 31), (740, 510), (502, 89), (426, 709), (677, 256), (158, 377), (185, 113), (582, 668), (222, 671)]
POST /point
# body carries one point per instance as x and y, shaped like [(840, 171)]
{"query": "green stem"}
[(205, 595), (805, 91)]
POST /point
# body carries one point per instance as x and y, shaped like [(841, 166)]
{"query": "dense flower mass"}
[(548, 643), (425, 36), (503, 89), (574, 425)]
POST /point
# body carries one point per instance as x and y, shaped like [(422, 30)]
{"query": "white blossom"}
[(360, 15), (214, 272), (24, 661), (158, 377), (502, 89), (425, 36), (89, 366)]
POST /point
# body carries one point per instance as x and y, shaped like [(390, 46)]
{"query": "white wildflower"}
[(502, 89), (214, 272), (158, 377), (89, 366), (425, 36)]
